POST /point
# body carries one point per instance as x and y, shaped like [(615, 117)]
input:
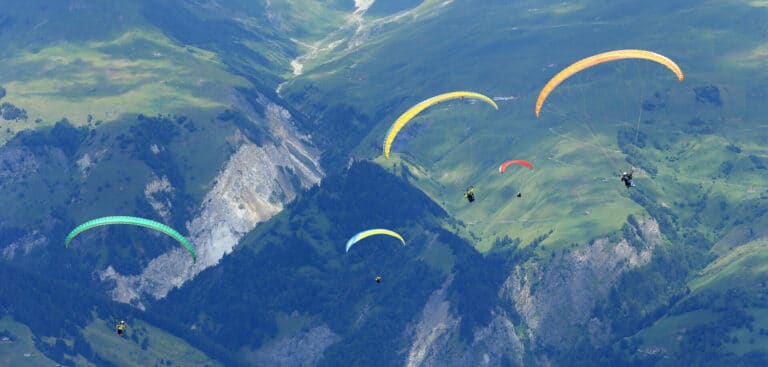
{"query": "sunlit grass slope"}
[(310, 20), (94, 61), (727, 299), (143, 345), (140, 71), (19, 348), (589, 125)]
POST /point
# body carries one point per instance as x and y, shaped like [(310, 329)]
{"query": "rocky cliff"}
[(254, 184), (554, 299)]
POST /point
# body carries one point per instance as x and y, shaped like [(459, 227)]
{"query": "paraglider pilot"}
[(378, 279), (470, 194), (627, 178), (121, 327)]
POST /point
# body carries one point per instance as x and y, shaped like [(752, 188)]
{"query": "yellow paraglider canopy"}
[(423, 105)]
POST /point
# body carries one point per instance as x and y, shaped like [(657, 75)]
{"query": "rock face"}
[(303, 350), (554, 300), (24, 245), (432, 333), (434, 337), (18, 166), (158, 186), (495, 344), (252, 187), (17, 163)]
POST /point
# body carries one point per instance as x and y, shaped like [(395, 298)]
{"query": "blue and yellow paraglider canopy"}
[(372, 232)]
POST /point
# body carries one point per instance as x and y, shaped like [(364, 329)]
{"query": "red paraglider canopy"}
[(506, 164)]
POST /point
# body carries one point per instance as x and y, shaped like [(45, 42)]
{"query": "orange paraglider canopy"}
[(599, 59)]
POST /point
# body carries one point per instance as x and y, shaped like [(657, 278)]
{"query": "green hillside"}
[(99, 98), (143, 345), (17, 345), (698, 145), (312, 284), (512, 52)]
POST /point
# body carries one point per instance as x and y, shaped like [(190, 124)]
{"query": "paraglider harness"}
[(121, 327), (627, 178), (470, 194)]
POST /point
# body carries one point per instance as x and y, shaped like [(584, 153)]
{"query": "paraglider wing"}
[(371, 232), (599, 59), (132, 221), (421, 106), (521, 162)]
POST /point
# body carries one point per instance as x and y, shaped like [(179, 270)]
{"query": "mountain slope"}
[(697, 144), (126, 116), (269, 173)]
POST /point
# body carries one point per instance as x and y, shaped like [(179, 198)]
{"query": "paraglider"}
[(121, 327), (469, 194), (421, 106), (503, 166), (626, 177), (599, 59), (372, 232), (142, 222)]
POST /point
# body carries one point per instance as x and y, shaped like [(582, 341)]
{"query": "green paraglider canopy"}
[(135, 221)]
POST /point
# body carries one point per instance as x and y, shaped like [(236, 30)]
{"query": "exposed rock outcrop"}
[(303, 350), (434, 337), (556, 300), (432, 333), (254, 185), (151, 191), (16, 164), (25, 245)]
